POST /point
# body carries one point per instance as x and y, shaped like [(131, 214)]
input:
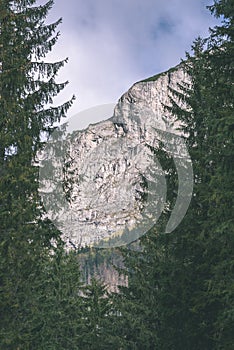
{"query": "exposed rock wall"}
[(108, 160), (105, 168), (109, 163)]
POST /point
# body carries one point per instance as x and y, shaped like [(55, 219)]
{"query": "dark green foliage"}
[(26, 86), (43, 307), (99, 318), (36, 288), (43, 304), (181, 291)]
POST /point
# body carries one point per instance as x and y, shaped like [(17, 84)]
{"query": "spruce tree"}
[(27, 87), (181, 284), (99, 315)]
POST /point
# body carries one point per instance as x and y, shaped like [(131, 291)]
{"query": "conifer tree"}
[(27, 87), (181, 285), (99, 313)]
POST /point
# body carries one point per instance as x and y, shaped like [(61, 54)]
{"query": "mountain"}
[(115, 189)]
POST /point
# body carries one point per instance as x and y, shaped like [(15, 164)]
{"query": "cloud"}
[(112, 44)]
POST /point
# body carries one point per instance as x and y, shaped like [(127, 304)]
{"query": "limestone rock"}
[(115, 189)]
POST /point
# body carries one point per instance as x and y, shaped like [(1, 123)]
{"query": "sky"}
[(111, 44)]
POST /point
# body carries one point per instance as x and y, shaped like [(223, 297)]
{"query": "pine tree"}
[(60, 320), (220, 198), (99, 313), (180, 293), (27, 86)]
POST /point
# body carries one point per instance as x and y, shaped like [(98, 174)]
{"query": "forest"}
[(179, 293)]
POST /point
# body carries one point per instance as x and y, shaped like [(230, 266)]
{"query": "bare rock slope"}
[(109, 166)]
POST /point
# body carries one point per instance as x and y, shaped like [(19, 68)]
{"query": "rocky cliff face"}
[(115, 189)]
